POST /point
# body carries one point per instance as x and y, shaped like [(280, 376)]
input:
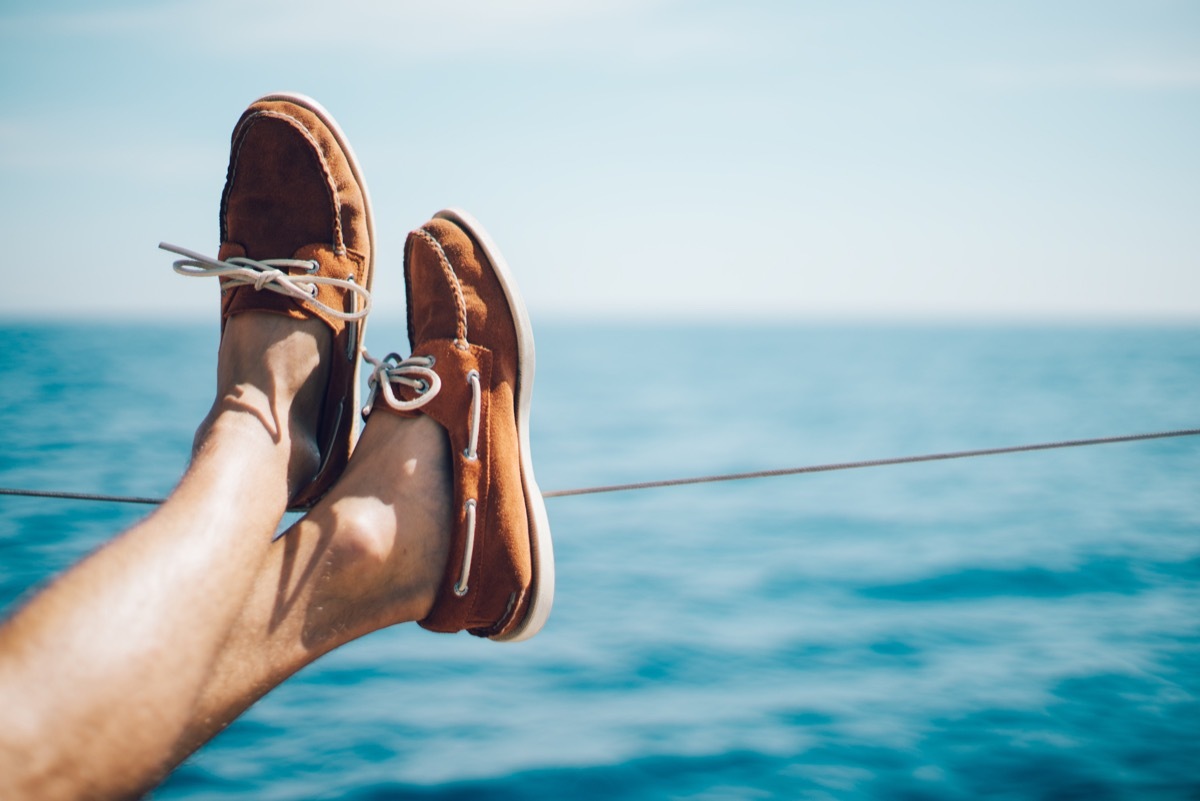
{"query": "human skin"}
[(136, 656)]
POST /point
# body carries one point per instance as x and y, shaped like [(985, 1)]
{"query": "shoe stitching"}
[(339, 244), (460, 301)]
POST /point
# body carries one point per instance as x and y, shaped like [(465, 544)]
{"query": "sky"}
[(931, 160)]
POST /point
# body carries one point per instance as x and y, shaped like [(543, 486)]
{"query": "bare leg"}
[(100, 673), (369, 555), (374, 552)]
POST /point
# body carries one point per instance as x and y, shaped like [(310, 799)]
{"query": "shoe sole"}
[(539, 524), (306, 102)]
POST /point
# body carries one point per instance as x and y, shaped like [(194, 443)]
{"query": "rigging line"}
[(677, 482), (827, 468), (78, 496)]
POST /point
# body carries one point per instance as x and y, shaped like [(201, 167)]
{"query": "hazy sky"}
[(795, 160)]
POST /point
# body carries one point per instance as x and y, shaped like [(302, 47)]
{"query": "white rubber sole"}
[(306, 102), (539, 524)]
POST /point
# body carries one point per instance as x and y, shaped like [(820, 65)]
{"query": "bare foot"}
[(387, 526), (369, 555)]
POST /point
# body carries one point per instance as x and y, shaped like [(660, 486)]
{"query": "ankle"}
[(271, 375), (388, 526), (286, 359), (388, 563)]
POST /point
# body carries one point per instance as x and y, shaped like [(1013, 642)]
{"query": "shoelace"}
[(269, 274), (417, 373)]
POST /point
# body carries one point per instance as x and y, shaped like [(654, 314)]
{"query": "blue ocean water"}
[(1020, 626)]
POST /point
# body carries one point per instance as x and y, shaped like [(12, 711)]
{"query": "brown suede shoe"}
[(472, 372), (296, 220)]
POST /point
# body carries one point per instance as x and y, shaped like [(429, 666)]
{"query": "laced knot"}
[(270, 274), (415, 372)]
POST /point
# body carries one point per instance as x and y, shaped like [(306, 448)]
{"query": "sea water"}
[(1022, 626)]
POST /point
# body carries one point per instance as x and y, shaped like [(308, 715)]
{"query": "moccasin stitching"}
[(339, 244), (460, 300)]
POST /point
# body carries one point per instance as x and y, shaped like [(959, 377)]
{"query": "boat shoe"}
[(296, 220), (471, 371)]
